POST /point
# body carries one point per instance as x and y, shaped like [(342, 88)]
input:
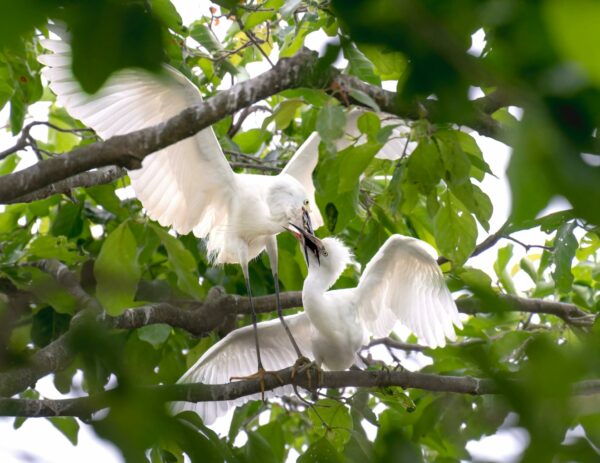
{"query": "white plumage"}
[(188, 186), (402, 283)]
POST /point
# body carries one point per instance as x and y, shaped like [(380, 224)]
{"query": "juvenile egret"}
[(402, 283), (190, 186)]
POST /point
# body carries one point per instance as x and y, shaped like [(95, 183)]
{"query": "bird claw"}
[(304, 364), (260, 376)]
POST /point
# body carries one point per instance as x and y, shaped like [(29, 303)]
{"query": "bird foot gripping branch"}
[(260, 375), (308, 367)]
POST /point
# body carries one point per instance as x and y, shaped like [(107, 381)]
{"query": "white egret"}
[(189, 186), (402, 283)]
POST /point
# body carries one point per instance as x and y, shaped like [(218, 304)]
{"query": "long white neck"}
[(317, 282)]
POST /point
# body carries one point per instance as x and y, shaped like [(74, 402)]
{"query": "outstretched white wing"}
[(403, 282), (187, 185), (235, 355), (301, 167)]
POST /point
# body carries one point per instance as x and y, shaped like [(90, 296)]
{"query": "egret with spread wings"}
[(190, 186), (402, 283)]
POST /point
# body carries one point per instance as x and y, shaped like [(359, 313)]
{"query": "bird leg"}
[(301, 358), (303, 365), (260, 371), (260, 376)]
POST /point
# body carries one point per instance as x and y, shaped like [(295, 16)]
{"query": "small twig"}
[(255, 41), (235, 127), (529, 246)]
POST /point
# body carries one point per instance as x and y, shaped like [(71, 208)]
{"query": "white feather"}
[(234, 355), (405, 279)]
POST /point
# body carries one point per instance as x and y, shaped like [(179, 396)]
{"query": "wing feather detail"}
[(301, 167), (404, 283), (234, 355), (188, 185)]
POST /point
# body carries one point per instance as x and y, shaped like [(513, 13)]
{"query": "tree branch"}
[(84, 179), (85, 406), (129, 150), (210, 314)]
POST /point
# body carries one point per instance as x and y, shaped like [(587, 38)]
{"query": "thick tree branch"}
[(129, 150), (85, 406), (68, 280), (84, 179), (206, 316), (301, 70)]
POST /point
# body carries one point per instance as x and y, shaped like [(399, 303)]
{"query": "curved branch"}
[(85, 406), (129, 150), (206, 316), (84, 179)]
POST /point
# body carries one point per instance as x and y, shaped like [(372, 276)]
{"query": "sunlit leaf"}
[(117, 270)]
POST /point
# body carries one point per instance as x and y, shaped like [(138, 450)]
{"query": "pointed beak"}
[(307, 239), (306, 222)]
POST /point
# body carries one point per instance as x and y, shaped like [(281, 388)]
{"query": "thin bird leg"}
[(260, 373), (273, 260), (254, 319), (283, 322)]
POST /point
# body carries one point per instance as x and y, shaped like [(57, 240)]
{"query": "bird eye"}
[(325, 253), (306, 202)]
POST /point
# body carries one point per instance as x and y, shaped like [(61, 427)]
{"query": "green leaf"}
[(241, 415), (168, 14), (500, 267), (183, 263), (47, 325), (531, 189), (363, 98), (54, 247), (321, 452), (424, 167), (108, 36), (68, 426), (369, 124), (389, 64), (68, 221), (6, 83), (273, 434), (155, 335), (255, 18), (359, 64), (573, 31), (353, 162), (475, 279), (565, 245), (202, 34), (289, 7), (46, 290), (285, 113), (295, 38), (331, 122), (18, 109), (258, 449), (8, 165), (117, 271), (337, 417), (251, 140), (455, 231)]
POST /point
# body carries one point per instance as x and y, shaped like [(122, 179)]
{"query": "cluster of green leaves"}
[(434, 193), (539, 53)]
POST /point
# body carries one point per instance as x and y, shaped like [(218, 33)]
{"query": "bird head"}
[(329, 255)]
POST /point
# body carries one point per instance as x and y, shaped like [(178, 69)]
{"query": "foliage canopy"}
[(541, 57)]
